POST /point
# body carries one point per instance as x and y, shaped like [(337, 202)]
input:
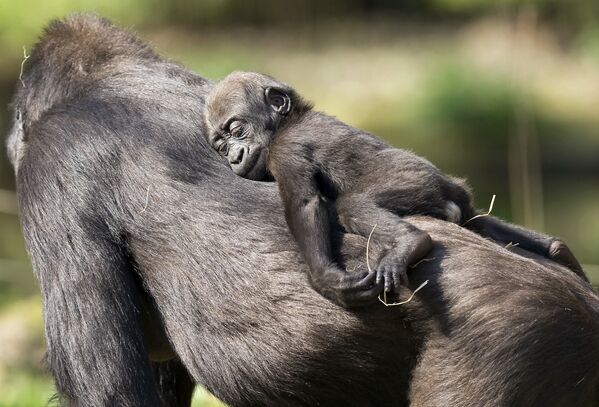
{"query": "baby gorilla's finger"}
[(368, 295), (365, 280), (361, 292), (380, 277), (359, 281), (388, 280), (399, 279)]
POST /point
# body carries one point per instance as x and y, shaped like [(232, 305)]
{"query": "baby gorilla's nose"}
[(236, 155)]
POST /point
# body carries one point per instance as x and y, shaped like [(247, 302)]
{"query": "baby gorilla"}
[(264, 128)]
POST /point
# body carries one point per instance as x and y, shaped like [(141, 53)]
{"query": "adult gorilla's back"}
[(131, 219)]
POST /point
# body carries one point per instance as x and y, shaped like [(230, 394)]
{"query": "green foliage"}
[(25, 390), (471, 103), (470, 5), (202, 398), (21, 21), (35, 390), (567, 7), (587, 41)]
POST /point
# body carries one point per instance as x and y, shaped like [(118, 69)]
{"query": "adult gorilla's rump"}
[(136, 227)]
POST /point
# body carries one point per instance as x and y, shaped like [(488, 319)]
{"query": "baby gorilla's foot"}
[(561, 253)]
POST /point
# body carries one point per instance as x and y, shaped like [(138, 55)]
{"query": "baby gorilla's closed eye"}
[(236, 129)]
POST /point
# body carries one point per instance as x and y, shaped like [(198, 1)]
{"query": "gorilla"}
[(327, 170), (160, 268)]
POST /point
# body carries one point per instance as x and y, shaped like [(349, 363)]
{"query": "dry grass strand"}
[(368, 249), (25, 58), (422, 261), (510, 245), (147, 200), (483, 214), (386, 304)]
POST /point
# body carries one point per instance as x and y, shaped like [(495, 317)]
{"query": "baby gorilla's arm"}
[(361, 215), (308, 219)]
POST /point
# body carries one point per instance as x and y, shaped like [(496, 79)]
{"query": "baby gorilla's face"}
[(242, 115), (243, 147)]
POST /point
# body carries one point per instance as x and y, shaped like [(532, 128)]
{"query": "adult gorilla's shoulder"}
[(135, 226)]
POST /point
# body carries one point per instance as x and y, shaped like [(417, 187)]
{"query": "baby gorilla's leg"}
[(545, 245)]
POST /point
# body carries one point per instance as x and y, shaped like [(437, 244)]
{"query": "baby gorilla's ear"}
[(278, 100)]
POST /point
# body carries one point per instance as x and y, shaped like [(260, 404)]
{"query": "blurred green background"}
[(504, 93)]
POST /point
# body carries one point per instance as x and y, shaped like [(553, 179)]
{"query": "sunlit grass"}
[(202, 398), (34, 390), (25, 390)]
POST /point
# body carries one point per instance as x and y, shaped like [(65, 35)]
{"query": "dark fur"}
[(263, 127), (123, 204)]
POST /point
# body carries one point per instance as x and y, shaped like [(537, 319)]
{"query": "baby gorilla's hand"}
[(348, 289), (392, 266), (391, 270)]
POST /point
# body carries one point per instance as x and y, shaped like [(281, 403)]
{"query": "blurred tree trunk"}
[(526, 181)]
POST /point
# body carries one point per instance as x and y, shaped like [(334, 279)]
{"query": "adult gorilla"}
[(134, 223)]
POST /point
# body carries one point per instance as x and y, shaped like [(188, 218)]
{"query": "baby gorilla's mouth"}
[(252, 166), (242, 160)]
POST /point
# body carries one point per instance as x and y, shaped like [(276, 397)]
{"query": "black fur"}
[(133, 223), (262, 126)]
